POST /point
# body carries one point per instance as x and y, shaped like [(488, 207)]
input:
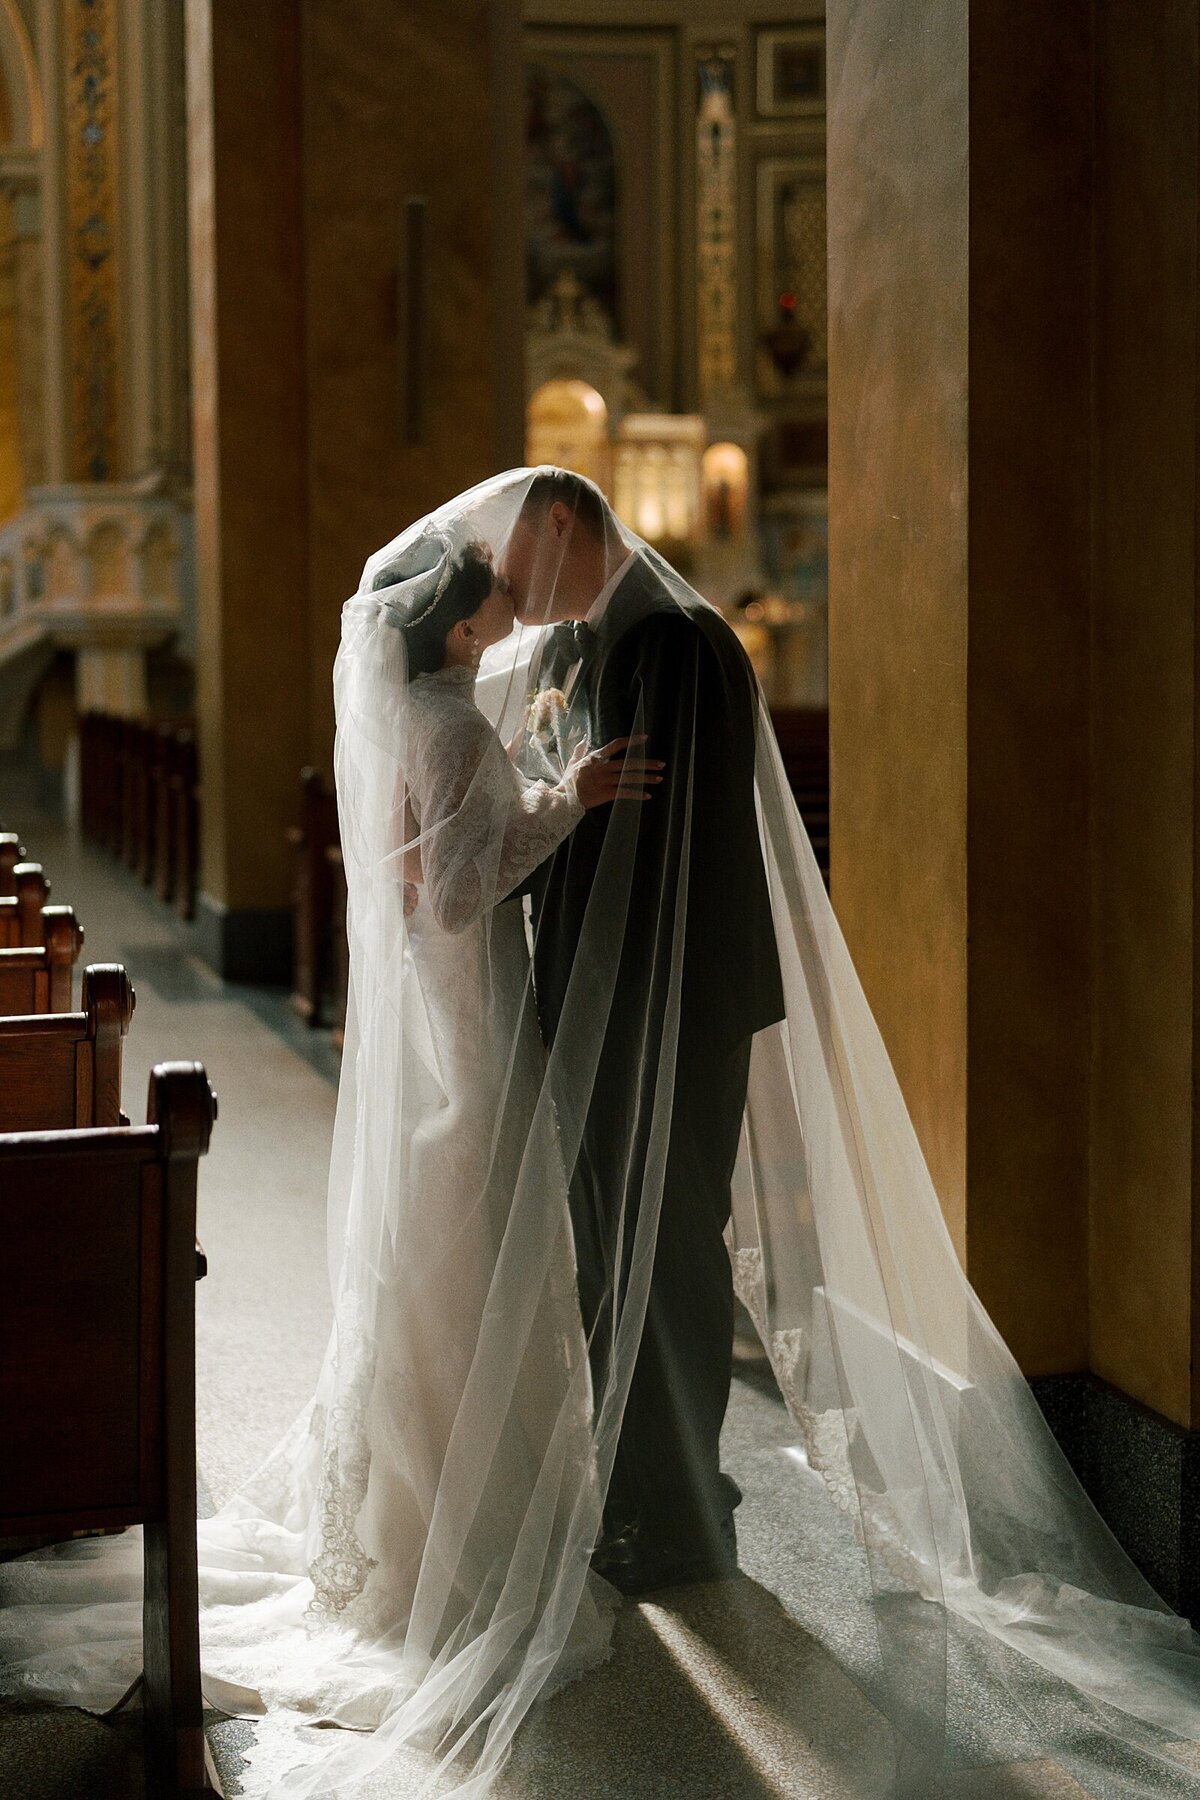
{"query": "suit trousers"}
[(666, 1477)]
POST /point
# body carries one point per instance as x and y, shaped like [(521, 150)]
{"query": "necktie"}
[(568, 646), (571, 640)]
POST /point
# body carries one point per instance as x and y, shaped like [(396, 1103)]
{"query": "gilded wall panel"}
[(91, 231)]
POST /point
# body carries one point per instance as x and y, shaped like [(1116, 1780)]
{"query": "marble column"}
[(1013, 417), (245, 135), (310, 128)]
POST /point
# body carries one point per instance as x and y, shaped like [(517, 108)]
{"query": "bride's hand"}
[(614, 772), (516, 742)]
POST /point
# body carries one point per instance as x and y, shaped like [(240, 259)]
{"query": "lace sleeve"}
[(483, 826)]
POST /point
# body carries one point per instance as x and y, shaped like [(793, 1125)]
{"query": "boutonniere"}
[(546, 709)]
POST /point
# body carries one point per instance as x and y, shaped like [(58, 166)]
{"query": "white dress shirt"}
[(594, 614)]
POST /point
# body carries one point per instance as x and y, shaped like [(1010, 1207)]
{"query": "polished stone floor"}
[(757, 1687)]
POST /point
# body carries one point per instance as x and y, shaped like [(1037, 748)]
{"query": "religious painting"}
[(791, 72), (791, 297), (570, 189), (607, 98)]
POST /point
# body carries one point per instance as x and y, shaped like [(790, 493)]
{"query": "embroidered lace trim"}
[(827, 1436)]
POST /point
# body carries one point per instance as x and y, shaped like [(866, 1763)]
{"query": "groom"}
[(685, 887)]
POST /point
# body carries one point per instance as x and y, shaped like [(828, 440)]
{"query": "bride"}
[(417, 1561)]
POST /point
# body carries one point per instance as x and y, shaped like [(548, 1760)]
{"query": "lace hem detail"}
[(827, 1435), (340, 1568)]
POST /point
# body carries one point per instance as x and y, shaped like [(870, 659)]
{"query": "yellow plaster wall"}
[(898, 545)]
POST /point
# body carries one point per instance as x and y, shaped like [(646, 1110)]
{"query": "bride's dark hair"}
[(468, 585)]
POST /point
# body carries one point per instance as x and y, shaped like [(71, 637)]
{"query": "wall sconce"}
[(413, 320), (787, 342)]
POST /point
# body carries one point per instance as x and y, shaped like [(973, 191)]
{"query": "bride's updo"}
[(431, 588)]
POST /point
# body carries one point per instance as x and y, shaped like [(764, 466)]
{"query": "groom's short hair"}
[(551, 487)]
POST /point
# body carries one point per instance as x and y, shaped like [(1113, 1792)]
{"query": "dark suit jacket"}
[(674, 669)]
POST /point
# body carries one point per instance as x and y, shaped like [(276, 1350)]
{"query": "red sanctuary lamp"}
[(787, 342)]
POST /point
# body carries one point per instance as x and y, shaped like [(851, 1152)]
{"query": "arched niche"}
[(158, 558), (22, 323), (21, 116), (570, 189), (60, 579), (109, 563), (566, 422), (725, 478)]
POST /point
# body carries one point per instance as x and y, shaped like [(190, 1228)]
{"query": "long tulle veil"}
[(430, 1592)]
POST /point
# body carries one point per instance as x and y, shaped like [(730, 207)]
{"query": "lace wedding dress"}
[(358, 1567), (423, 1486)]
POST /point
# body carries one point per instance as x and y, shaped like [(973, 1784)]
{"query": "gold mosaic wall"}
[(91, 214), (11, 479)]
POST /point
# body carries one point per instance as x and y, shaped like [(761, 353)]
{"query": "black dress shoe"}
[(615, 1555), (636, 1566)]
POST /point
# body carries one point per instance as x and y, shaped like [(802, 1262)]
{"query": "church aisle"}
[(737, 1691)]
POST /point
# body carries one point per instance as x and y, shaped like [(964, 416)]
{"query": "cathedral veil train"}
[(608, 1063)]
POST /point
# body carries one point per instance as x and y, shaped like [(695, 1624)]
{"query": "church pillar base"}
[(249, 943), (1141, 1471)]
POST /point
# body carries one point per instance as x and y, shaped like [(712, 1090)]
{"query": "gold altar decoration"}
[(716, 222), (567, 424), (656, 475), (725, 473)]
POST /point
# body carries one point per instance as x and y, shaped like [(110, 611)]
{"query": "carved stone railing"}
[(97, 569)]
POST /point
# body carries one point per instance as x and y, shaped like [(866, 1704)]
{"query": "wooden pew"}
[(313, 895), (184, 778), (21, 913), (89, 771), (139, 798), (137, 782), (139, 817), (62, 1071), (98, 1373), (12, 851), (163, 873), (37, 978), (110, 799), (155, 794)]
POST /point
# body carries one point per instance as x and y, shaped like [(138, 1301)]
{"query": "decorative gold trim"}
[(716, 219), (89, 40)]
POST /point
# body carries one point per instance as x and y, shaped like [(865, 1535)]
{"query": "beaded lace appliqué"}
[(827, 1436), (340, 1569)]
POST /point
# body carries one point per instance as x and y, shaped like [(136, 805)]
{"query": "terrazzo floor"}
[(734, 1691)]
